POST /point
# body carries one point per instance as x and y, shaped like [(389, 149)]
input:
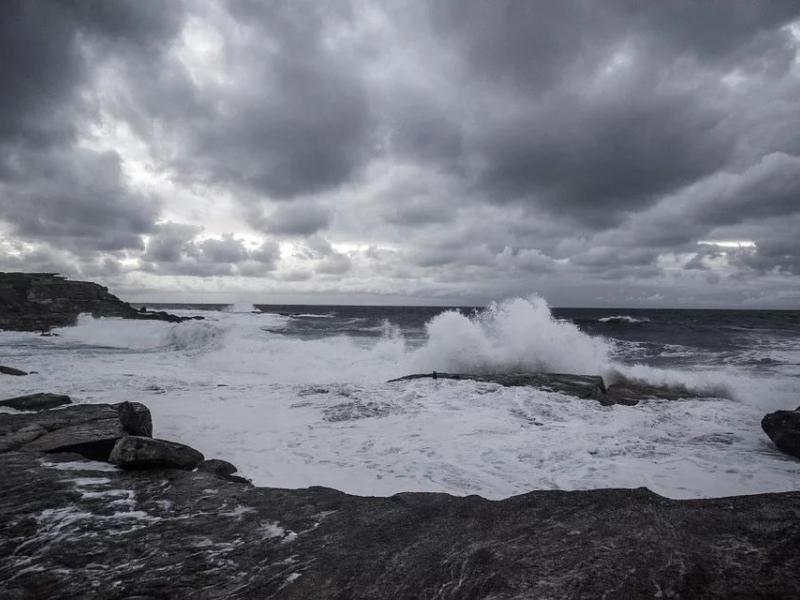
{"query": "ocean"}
[(298, 395)]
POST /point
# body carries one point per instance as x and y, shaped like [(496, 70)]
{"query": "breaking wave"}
[(110, 332), (514, 335), (623, 319)]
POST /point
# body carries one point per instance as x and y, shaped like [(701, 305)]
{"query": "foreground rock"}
[(77, 529), (624, 391), (137, 452), (783, 428), (40, 301), (88, 429), (36, 401)]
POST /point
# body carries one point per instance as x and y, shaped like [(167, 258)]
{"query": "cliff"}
[(41, 301)]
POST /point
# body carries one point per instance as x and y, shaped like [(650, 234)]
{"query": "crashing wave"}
[(623, 319)]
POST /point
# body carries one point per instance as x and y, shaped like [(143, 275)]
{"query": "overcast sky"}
[(614, 153)]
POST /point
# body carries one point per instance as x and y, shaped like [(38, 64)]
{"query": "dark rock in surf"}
[(134, 452), (629, 392), (581, 386), (90, 430), (219, 467), (36, 401), (12, 371), (783, 428), (41, 301), (624, 391)]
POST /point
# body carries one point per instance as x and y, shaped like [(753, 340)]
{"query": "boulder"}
[(219, 467), (87, 429), (783, 428), (11, 371), (36, 401), (222, 469), (136, 452)]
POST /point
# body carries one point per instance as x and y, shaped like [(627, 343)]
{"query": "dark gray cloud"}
[(455, 149), (295, 219), (51, 187), (174, 249)]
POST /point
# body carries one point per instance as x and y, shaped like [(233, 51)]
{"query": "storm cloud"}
[(619, 153)]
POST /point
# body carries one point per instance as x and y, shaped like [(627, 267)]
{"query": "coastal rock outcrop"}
[(40, 301), (36, 401), (783, 428), (77, 528), (90, 430), (138, 452), (623, 391)]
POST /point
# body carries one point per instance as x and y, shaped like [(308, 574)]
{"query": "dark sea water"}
[(762, 340)]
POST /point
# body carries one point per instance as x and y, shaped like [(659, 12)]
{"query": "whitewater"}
[(300, 399)]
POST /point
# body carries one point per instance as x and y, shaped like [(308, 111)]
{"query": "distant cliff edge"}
[(41, 301)]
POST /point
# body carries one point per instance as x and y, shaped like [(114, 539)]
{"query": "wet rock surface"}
[(40, 301), (73, 528), (623, 391), (88, 429), (138, 452), (783, 428), (77, 528), (36, 401), (12, 371)]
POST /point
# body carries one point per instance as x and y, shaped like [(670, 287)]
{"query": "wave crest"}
[(514, 335)]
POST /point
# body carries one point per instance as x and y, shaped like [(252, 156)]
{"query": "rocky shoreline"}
[(92, 506), (42, 301), (75, 525)]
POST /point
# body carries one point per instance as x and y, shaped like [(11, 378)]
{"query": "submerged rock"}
[(783, 428), (12, 371), (36, 401), (624, 391), (135, 452), (90, 430), (40, 301)]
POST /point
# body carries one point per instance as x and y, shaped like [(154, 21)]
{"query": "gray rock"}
[(630, 392), (87, 429), (219, 467), (36, 401), (623, 391), (11, 371), (783, 428), (135, 418), (134, 452), (180, 534), (40, 301), (582, 386)]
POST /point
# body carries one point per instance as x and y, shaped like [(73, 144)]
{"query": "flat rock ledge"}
[(41, 301), (71, 527), (624, 391), (36, 401)]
